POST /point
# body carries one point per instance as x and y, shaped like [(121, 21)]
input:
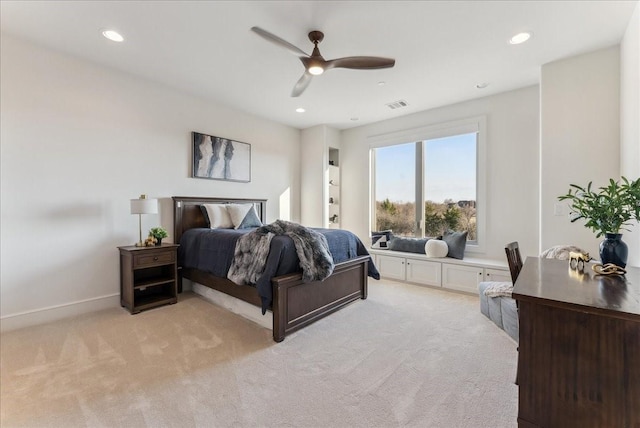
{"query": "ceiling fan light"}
[(316, 70)]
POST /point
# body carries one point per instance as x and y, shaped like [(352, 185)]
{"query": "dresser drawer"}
[(153, 258)]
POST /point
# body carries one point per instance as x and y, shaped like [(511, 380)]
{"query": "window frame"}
[(476, 124)]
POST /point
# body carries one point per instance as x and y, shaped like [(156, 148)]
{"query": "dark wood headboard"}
[(187, 214)]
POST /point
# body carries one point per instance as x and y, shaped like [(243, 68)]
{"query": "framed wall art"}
[(219, 158)]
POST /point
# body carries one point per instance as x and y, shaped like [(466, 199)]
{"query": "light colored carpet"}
[(406, 356)]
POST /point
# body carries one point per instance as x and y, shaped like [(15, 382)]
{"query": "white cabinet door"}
[(424, 272), (462, 278), (497, 275), (391, 267)]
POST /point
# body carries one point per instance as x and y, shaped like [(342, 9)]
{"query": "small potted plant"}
[(158, 233), (607, 211)]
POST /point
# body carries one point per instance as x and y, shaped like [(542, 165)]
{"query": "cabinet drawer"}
[(153, 258)]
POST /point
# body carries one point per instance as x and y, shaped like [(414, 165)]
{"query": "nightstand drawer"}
[(153, 258)]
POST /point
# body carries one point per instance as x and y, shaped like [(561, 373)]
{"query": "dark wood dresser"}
[(579, 349)]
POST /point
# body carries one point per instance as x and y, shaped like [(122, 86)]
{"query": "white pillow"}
[(237, 213), (436, 248), (218, 216)]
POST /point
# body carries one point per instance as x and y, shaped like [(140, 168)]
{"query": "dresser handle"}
[(155, 259)]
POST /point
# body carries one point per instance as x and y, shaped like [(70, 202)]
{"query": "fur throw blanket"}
[(252, 250), (497, 289), (560, 252)]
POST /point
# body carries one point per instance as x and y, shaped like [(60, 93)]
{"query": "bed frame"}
[(296, 304)]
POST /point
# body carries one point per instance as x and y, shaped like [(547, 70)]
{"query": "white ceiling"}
[(442, 48)]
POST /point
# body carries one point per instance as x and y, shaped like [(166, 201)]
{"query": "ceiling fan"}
[(315, 64)]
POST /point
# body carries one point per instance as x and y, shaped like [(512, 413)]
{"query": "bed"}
[(294, 304)]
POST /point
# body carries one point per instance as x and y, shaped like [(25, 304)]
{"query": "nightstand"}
[(148, 276)]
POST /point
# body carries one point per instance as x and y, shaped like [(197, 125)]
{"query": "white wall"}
[(314, 175), (512, 166), (312, 164), (580, 137), (630, 118), (77, 142)]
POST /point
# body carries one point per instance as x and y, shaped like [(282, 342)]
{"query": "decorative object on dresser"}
[(148, 276), (221, 158), (141, 206), (158, 233), (607, 211), (293, 302)]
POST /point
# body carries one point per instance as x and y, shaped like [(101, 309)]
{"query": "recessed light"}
[(113, 35), (300, 110), (482, 85), (354, 119), (381, 83), (520, 38)]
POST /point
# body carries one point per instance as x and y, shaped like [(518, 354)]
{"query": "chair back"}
[(514, 260)]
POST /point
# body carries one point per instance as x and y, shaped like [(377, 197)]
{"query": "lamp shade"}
[(144, 206)]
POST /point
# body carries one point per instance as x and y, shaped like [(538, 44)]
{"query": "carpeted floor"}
[(406, 356)]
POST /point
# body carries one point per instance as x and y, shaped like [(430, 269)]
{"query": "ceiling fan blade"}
[(361, 62), (301, 84), (278, 41)]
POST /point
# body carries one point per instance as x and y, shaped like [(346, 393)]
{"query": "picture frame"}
[(218, 158)]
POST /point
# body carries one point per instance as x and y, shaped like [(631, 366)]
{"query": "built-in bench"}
[(460, 275)]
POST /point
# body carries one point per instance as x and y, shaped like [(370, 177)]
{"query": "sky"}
[(450, 170)]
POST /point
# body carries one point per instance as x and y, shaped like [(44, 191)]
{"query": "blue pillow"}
[(457, 242), (408, 245), (250, 220), (205, 214)]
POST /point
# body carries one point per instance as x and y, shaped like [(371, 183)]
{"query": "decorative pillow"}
[(408, 245), (380, 239), (436, 248), (243, 216), (251, 219), (203, 209), (218, 216), (457, 242)]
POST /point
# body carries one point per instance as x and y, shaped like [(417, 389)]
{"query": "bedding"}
[(252, 250), (212, 251)]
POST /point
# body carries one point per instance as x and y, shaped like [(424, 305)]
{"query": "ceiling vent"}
[(397, 104)]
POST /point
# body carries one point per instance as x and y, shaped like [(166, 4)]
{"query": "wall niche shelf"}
[(333, 198)]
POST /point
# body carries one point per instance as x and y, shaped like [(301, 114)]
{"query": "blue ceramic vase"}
[(613, 250)]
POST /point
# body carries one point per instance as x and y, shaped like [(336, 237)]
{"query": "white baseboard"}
[(53, 313), (237, 306)]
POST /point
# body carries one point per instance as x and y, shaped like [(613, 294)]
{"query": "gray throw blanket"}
[(499, 289), (252, 250)]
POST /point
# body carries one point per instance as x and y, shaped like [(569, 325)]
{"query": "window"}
[(425, 187), (395, 186)]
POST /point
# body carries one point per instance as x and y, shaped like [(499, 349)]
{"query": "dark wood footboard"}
[(297, 304)]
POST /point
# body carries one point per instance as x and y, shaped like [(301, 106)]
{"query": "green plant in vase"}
[(606, 211), (158, 233)]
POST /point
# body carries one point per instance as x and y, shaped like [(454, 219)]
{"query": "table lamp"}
[(143, 206)]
